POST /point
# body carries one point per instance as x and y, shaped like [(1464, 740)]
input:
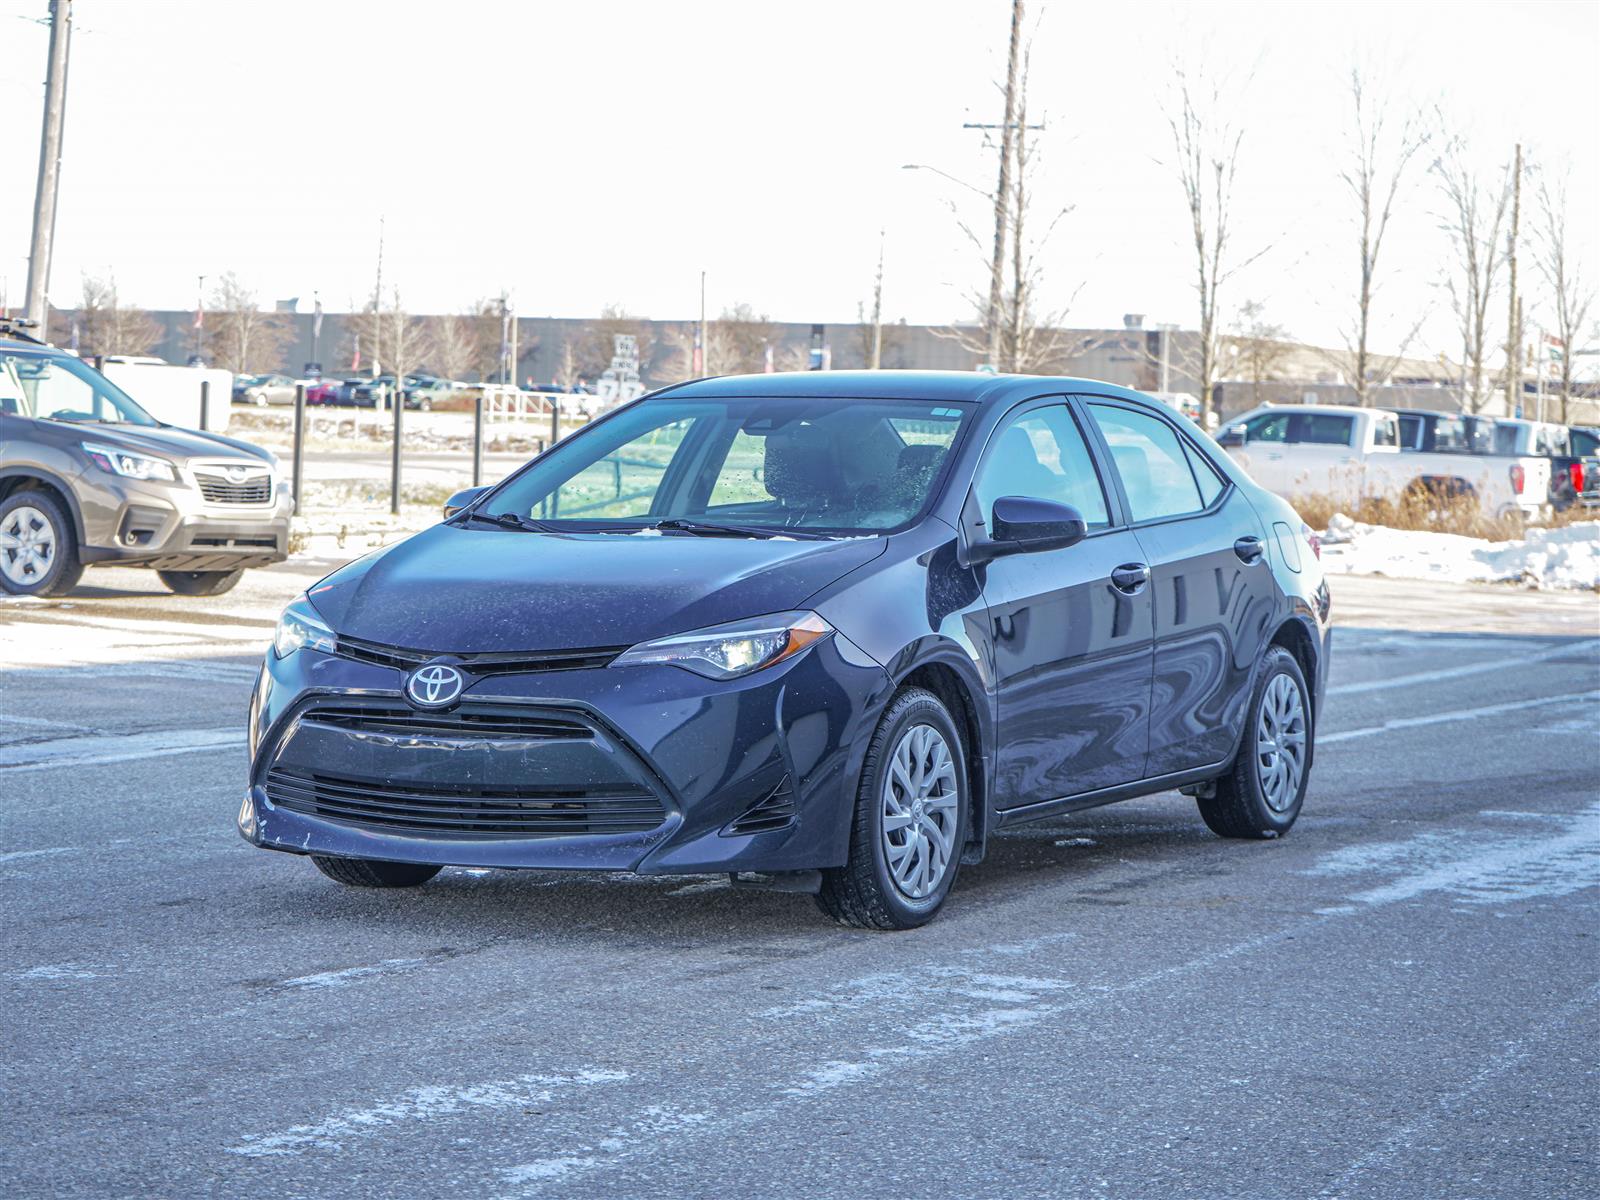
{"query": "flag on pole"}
[(316, 320), (355, 359), (697, 360), (767, 360), (199, 317)]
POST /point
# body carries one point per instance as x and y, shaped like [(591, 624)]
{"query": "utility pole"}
[(1514, 335), (875, 359), (704, 344), (44, 197), (515, 382), (1002, 191), (377, 307), (199, 319)]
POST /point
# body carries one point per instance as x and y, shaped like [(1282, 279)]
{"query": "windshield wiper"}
[(507, 520), (706, 529)]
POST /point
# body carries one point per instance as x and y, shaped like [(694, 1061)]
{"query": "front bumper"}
[(173, 527), (650, 769)]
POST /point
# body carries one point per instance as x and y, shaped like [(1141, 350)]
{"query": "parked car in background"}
[(240, 384), (268, 389), (879, 615), (1584, 475), (1432, 432), (1349, 453), (1519, 436), (88, 476)]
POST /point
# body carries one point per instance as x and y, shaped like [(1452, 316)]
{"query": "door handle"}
[(1249, 549), (1130, 578)]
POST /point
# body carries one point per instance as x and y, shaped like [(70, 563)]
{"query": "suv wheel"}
[(910, 821), (365, 872), (201, 583), (38, 549), (1261, 794)]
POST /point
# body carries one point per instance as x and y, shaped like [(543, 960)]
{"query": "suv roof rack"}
[(17, 327)]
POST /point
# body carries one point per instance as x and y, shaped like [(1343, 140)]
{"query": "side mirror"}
[(1025, 525), (1233, 435), (461, 499)]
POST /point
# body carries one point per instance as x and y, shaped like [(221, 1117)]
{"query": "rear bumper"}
[(646, 769)]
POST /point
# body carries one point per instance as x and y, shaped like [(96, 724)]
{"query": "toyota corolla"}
[(826, 632)]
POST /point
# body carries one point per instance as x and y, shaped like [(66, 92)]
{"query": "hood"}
[(171, 442), (469, 591)]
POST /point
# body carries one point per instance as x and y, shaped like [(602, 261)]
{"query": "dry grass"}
[(1430, 513)]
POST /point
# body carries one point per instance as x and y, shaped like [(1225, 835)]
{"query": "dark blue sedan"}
[(824, 632)]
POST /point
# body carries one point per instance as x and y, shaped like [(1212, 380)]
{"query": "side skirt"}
[(1110, 795)]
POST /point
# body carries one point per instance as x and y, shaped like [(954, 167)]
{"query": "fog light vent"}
[(773, 811)]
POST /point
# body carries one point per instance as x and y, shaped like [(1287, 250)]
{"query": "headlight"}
[(300, 626), (735, 649), (125, 462)]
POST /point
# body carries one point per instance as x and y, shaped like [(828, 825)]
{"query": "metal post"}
[(394, 467), (299, 443), (44, 199), (205, 405), (555, 420), (477, 439)]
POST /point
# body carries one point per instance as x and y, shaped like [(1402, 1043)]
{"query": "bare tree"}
[(1381, 152), (1473, 214), (402, 340), (102, 324), (465, 343), (873, 335), (595, 353), (1257, 349), (1206, 144), (243, 339), (1570, 294)]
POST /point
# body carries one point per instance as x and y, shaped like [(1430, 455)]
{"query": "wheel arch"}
[(24, 479), (957, 695)]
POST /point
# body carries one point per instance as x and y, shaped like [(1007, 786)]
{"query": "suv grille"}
[(493, 663), (219, 490), (462, 810)]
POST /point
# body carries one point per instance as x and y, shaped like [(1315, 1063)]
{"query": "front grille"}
[(218, 490), (463, 811), (487, 663), (462, 723)]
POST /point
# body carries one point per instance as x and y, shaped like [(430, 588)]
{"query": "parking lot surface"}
[(1401, 998)]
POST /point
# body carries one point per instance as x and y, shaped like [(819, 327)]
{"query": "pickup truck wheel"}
[(38, 548), (201, 583), (362, 872), (1261, 794)]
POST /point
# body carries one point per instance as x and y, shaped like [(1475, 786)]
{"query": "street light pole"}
[(44, 197)]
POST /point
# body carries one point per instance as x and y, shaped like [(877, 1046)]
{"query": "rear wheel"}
[(910, 821), (38, 548), (201, 583), (363, 872), (1261, 794)]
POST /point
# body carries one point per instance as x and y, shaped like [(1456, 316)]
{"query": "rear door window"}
[(1152, 463)]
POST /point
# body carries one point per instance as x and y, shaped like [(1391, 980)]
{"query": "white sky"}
[(577, 154)]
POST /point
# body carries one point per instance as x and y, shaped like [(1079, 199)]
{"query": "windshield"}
[(58, 387), (819, 465)]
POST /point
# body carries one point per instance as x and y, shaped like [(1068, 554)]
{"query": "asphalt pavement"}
[(1398, 999)]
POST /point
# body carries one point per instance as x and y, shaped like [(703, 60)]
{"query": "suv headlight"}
[(735, 649), (299, 626), (126, 462)]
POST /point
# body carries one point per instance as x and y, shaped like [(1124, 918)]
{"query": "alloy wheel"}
[(27, 546), (1281, 743), (919, 799)]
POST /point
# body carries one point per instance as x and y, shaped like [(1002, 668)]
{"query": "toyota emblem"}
[(434, 685)]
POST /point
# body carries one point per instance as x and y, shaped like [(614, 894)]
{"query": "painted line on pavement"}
[(1483, 668), (1460, 714), (114, 748)]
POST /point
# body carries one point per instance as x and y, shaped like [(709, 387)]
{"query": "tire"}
[(38, 546), (201, 583), (1253, 800), (363, 872), (864, 893)]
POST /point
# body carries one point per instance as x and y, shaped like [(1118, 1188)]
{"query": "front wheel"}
[(364, 872), (1261, 794), (201, 583), (38, 547), (910, 821)]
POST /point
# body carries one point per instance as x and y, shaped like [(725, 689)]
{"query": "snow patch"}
[(1565, 558)]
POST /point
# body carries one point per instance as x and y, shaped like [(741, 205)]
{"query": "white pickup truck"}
[(1348, 453)]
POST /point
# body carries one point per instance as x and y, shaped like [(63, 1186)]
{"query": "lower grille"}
[(218, 490), (775, 811), (463, 812)]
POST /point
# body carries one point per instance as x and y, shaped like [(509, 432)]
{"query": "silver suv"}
[(87, 476)]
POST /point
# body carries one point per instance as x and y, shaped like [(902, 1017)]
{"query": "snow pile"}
[(1568, 557)]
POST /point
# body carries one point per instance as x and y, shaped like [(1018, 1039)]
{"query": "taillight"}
[(1312, 539), (1518, 478), (1575, 473)]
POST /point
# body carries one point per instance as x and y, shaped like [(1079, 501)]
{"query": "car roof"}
[(1340, 410), (972, 387)]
